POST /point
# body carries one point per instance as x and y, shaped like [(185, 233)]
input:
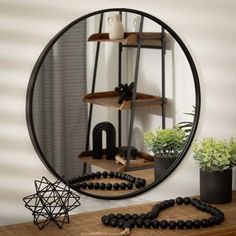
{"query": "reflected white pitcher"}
[(116, 30)]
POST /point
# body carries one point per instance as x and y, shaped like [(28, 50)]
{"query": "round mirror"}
[(113, 103)]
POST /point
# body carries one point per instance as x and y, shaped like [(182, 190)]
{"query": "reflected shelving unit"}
[(137, 40), (131, 39), (110, 98), (142, 161)]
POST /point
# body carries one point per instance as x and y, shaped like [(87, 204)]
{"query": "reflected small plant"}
[(187, 126), (165, 142)]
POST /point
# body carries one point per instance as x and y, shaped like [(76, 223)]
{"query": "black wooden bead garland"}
[(147, 220), (79, 182)]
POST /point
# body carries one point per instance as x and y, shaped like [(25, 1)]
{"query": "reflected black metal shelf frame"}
[(140, 39)]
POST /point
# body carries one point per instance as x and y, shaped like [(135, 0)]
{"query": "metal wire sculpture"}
[(51, 203)]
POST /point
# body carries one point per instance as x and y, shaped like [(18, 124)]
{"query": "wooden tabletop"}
[(90, 222)]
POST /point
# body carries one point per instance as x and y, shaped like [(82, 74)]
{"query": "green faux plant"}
[(215, 155), (187, 126), (165, 142)]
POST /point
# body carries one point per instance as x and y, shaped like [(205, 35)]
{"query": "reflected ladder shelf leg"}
[(119, 82), (163, 52), (134, 93)]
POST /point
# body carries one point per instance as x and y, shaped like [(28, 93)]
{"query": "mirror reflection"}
[(113, 104)]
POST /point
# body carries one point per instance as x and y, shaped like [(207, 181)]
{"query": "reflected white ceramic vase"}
[(116, 29)]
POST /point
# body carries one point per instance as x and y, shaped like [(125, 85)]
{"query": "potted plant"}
[(216, 159), (187, 126), (166, 145)]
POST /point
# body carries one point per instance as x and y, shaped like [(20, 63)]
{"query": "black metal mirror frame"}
[(34, 74)]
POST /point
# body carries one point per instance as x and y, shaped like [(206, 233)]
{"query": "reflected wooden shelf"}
[(148, 39), (111, 165), (110, 99)]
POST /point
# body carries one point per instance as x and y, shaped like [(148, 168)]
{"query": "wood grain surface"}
[(110, 99), (90, 222)]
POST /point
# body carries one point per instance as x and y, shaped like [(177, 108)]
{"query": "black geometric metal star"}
[(51, 203)]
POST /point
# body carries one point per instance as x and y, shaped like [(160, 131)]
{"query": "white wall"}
[(206, 26)]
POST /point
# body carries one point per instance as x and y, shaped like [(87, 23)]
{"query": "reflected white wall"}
[(179, 83), (206, 26), (106, 74)]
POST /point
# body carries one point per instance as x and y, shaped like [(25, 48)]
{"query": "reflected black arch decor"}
[(110, 140), (33, 77)]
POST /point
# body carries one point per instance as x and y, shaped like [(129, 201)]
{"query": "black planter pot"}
[(162, 164), (216, 187)]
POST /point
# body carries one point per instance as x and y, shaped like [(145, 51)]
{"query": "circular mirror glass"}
[(113, 103)]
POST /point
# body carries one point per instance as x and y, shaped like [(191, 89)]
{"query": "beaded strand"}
[(79, 182), (147, 220)]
